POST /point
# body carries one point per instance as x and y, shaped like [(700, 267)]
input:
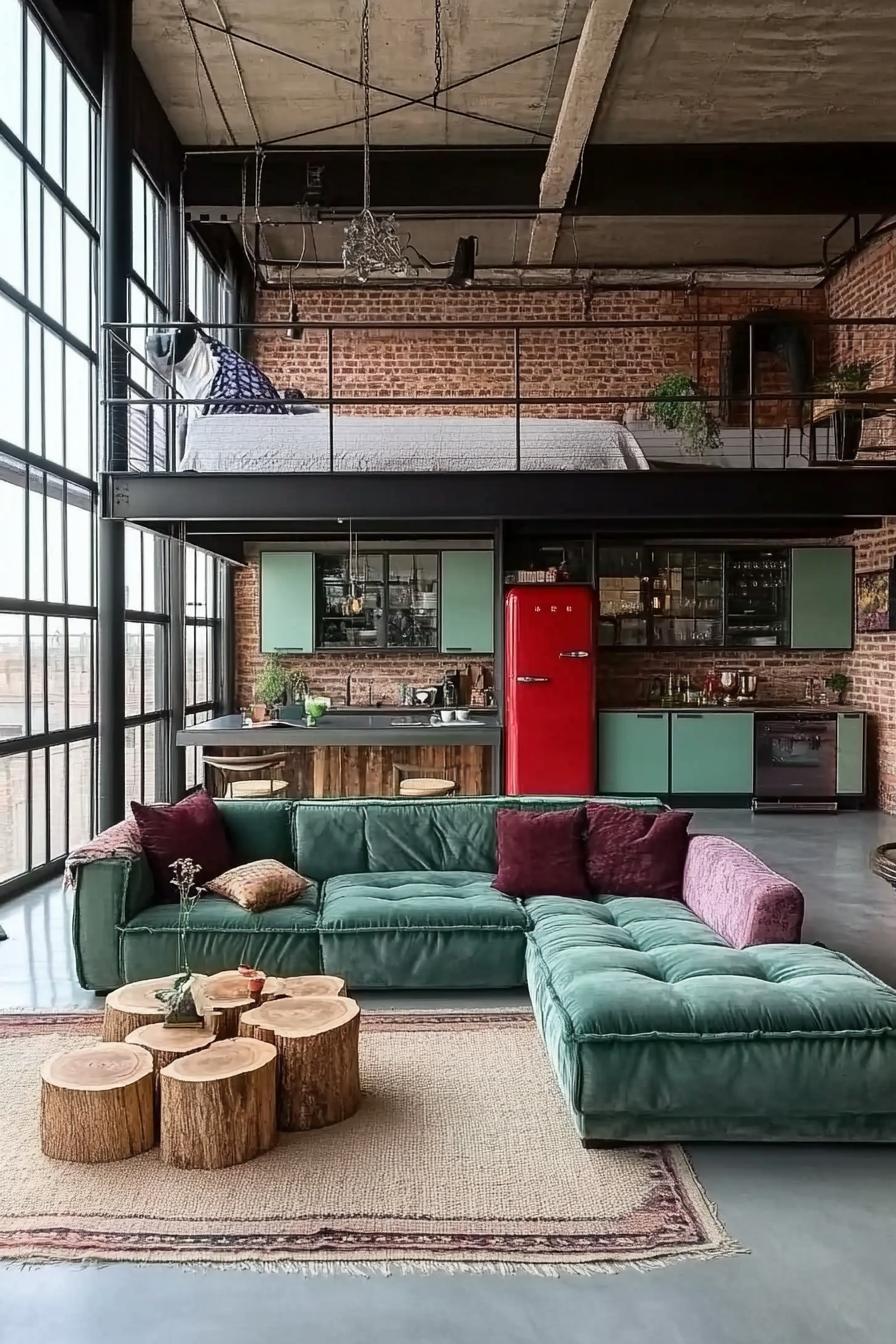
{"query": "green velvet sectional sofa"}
[(705, 1019)]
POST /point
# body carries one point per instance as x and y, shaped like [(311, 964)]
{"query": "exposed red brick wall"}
[(872, 666), (624, 676), (866, 287), (328, 671), (615, 363)]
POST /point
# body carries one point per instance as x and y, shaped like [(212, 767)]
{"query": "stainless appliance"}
[(795, 763), (747, 684)]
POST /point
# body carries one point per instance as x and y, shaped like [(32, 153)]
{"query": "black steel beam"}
[(116, 233), (699, 497), (800, 179)]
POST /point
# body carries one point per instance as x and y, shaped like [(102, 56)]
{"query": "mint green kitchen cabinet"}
[(287, 601), (633, 752), (821, 597), (467, 602), (851, 753), (712, 752)]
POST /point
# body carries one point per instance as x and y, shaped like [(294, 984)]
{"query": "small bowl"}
[(446, 715), (462, 715)]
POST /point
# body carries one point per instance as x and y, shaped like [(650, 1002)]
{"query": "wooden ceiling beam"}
[(601, 34)]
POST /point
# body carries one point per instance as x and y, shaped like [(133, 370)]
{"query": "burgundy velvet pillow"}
[(632, 853), (541, 853), (190, 829)]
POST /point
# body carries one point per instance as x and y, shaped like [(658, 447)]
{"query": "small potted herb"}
[(678, 403), (838, 684), (270, 688), (847, 420)]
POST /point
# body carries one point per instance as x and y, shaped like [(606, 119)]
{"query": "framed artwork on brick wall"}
[(875, 602)]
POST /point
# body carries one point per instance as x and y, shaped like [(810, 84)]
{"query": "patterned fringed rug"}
[(461, 1158)]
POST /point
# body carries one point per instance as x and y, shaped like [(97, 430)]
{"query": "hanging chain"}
[(437, 51), (365, 80)]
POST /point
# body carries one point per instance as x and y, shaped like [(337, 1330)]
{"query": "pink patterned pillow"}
[(541, 853), (632, 853)]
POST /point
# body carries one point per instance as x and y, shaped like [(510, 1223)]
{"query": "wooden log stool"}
[(166, 1044), (300, 986), (96, 1104), (219, 1105), (134, 1006), (223, 998), (317, 1057)]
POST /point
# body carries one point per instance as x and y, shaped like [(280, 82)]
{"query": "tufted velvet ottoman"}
[(658, 1029)]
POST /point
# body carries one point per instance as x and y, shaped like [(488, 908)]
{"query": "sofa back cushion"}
[(328, 838), (260, 830)]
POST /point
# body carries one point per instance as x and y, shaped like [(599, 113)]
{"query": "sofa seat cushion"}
[(648, 1013), (421, 930), (221, 936)]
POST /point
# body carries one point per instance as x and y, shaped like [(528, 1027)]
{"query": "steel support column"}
[(116, 246), (177, 781)]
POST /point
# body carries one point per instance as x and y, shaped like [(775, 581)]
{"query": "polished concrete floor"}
[(818, 1221)]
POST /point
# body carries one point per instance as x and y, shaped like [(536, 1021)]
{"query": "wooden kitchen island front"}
[(352, 755)]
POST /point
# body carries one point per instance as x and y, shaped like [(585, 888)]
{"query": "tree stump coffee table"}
[(134, 1005), (316, 1040), (218, 1106), (96, 1104)]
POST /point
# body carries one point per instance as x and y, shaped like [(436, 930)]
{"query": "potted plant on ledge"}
[(270, 689), (679, 403), (838, 684), (847, 418)]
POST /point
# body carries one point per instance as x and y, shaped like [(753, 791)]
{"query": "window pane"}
[(154, 789), (77, 413), (38, 808), (80, 672), (13, 841), (153, 566), (11, 251), (132, 554), (78, 132), (132, 665), (11, 64), (12, 533), (78, 282), (133, 773), (33, 199), (58, 801), (12, 361), (79, 531), (35, 90), (80, 793), (54, 446), (153, 652), (55, 542), (37, 586), (138, 224), (37, 636), (55, 673), (52, 113), (52, 257), (12, 678), (190, 696), (35, 387)]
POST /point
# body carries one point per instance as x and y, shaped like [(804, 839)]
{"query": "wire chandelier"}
[(372, 244)]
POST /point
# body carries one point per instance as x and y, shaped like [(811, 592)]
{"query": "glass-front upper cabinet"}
[(623, 582), (377, 601), (756, 591), (545, 559), (351, 604), (413, 600), (687, 606)]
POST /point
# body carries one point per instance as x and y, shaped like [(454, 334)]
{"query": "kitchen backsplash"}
[(623, 676), (328, 672)]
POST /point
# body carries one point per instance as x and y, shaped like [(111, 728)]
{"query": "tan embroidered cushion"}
[(259, 886)]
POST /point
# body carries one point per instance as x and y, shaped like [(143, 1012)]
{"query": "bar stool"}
[(410, 781), (245, 765)]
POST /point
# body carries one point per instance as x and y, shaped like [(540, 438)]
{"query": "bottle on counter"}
[(449, 690)]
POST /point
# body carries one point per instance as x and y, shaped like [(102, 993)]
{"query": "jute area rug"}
[(461, 1158)]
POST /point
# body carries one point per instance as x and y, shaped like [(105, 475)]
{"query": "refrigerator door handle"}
[(575, 653), (529, 681)]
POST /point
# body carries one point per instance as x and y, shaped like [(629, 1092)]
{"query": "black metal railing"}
[(148, 420)]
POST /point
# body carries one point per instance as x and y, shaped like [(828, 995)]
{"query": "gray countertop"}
[(751, 708), (345, 729)]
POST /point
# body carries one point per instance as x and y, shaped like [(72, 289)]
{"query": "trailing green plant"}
[(838, 683), (853, 377), (678, 403), (271, 682)]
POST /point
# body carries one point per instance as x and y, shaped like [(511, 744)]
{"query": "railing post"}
[(752, 351), (516, 394), (116, 233), (330, 396)]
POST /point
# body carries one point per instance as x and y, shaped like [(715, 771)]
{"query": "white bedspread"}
[(462, 443)]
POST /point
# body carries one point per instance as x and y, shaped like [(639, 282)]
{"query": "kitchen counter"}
[(344, 729), (749, 706)]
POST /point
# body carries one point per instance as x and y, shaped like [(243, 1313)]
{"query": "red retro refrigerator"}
[(550, 690)]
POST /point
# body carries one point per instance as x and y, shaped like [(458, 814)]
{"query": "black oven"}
[(796, 760)]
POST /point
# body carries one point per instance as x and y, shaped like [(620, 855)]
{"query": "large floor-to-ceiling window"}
[(48, 354)]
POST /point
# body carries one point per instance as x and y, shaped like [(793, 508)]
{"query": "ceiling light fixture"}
[(372, 245)]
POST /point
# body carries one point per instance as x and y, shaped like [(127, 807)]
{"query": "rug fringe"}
[(367, 1269)]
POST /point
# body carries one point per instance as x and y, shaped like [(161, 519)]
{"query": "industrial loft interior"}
[(447, 671)]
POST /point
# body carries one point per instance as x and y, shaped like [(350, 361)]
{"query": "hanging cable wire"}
[(550, 84), (437, 52), (190, 21), (225, 24)]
